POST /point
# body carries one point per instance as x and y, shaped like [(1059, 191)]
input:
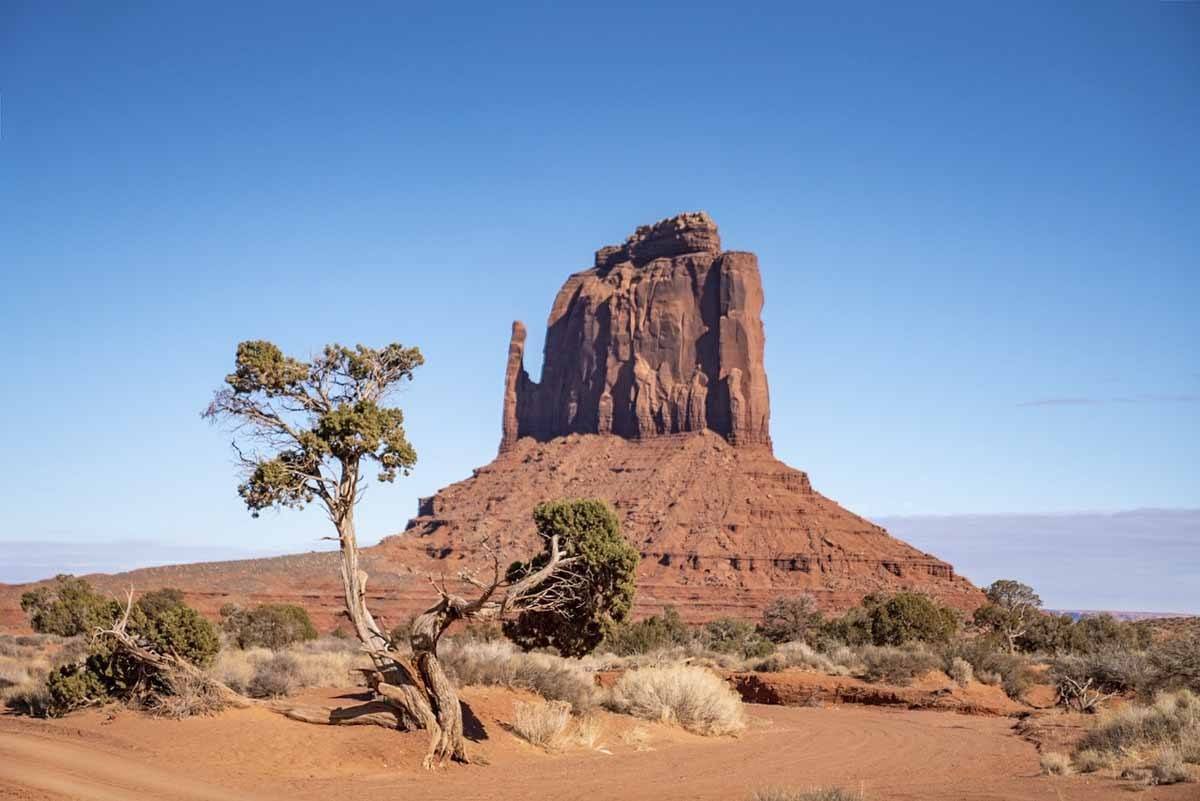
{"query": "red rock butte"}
[(653, 397)]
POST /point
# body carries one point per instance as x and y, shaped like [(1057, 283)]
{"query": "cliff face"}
[(663, 335)]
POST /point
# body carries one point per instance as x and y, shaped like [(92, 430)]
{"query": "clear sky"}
[(978, 225)]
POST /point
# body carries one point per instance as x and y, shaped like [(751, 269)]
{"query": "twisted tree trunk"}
[(419, 691)]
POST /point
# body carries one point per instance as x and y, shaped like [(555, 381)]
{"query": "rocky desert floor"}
[(889, 754)]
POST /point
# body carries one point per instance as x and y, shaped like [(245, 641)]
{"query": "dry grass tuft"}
[(262, 673), (692, 697), (589, 733), (960, 671), (1054, 764), (541, 723), (638, 738), (1162, 736)]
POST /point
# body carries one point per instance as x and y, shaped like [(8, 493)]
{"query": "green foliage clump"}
[(1062, 634), (271, 626), (326, 411), (790, 619), (655, 633), (1176, 663), (729, 635), (69, 607), (603, 578), (160, 620), (910, 616)]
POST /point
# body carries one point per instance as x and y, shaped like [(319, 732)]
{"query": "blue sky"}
[(977, 226)]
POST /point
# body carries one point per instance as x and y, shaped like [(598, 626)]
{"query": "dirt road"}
[(252, 754)]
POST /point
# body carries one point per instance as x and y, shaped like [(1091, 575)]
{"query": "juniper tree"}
[(309, 432)]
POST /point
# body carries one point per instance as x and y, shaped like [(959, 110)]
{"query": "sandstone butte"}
[(653, 396)]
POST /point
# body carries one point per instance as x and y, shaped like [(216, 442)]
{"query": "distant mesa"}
[(653, 397)]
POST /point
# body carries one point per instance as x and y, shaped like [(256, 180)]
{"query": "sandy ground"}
[(256, 754)]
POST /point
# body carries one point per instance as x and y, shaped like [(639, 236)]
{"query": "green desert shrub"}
[(729, 635), (790, 619), (96, 670), (893, 620), (588, 530), (851, 628), (1176, 663), (68, 607), (692, 697), (908, 617), (271, 626), (655, 633)]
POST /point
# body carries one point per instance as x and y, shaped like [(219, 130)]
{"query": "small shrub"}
[(790, 619), (1084, 680), (654, 633), (275, 677), (896, 665), (989, 677), (542, 723), (1176, 663), (1168, 768), (992, 663), (1090, 760), (498, 663), (1054, 764), (694, 698), (271, 626), (1172, 720), (68, 607), (729, 635), (961, 671), (908, 616), (31, 698), (801, 655)]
